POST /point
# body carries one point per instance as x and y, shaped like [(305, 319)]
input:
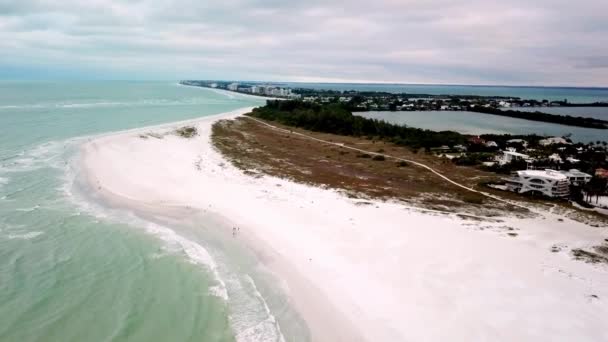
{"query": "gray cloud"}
[(548, 42)]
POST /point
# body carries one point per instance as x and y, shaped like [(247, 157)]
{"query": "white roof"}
[(516, 154), (575, 173), (547, 174)]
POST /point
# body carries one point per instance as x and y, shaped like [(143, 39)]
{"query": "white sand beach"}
[(372, 272)]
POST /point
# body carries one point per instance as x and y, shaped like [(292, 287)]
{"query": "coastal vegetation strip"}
[(544, 117)]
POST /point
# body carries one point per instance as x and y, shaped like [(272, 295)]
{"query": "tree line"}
[(335, 118), (544, 117)]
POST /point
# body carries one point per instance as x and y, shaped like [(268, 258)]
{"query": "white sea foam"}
[(266, 330), (24, 236), (195, 252), (51, 154), (27, 210), (174, 243), (251, 318), (219, 291), (114, 104)]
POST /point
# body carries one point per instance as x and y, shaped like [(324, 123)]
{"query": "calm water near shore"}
[(72, 270)]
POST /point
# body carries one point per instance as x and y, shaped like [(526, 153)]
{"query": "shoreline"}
[(324, 323), (373, 272)]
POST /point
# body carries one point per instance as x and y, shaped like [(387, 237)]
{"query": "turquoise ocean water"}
[(74, 270)]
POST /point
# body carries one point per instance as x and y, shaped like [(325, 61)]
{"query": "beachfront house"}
[(544, 182), (601, 173), (491, 144), (509, 156), (521, 142), (552, 141), (555, 158)]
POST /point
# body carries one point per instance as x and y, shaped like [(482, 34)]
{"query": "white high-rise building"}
[(233, 86)]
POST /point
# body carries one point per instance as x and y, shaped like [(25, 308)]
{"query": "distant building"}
[(573, 160), (491, 144), (255, 89), (555, 158), (548, 182), (602, 173), (522, 142), (553, 141), (233, 86), (509, 156), (576, 177), (476, 140)]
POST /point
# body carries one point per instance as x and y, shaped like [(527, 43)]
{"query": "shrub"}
[(473, 198), (186, 132), (363, 155), (378, 158), (402, 164)]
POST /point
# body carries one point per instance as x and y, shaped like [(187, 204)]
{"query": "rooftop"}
[(551, 174), (516, 154)]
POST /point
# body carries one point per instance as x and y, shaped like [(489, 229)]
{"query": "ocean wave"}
[(113, 104), (24, 236), (251, 318), (196, 253), (267, 329), (173, 242), (53, 154), (27, 210)]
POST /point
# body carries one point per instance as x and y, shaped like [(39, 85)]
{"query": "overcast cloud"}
[(536, 42)]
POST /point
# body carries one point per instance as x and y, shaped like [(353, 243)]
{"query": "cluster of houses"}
[(403, 102), (534, 179), (551, 183)]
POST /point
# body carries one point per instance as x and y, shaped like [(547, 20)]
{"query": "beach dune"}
[(368, 270)]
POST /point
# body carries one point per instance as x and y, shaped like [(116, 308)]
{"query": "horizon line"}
[(376, 83)]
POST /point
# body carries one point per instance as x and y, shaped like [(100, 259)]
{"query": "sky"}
[(508, 42)]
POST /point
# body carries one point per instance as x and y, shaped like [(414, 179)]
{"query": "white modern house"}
[(555, 158), (518, 141), (510, 155), (546, 182), (576, 177), (552, 141)]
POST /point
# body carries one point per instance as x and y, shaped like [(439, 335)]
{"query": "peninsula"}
[(360, 101)]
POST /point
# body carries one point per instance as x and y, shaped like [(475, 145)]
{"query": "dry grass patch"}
[(252, 146)]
